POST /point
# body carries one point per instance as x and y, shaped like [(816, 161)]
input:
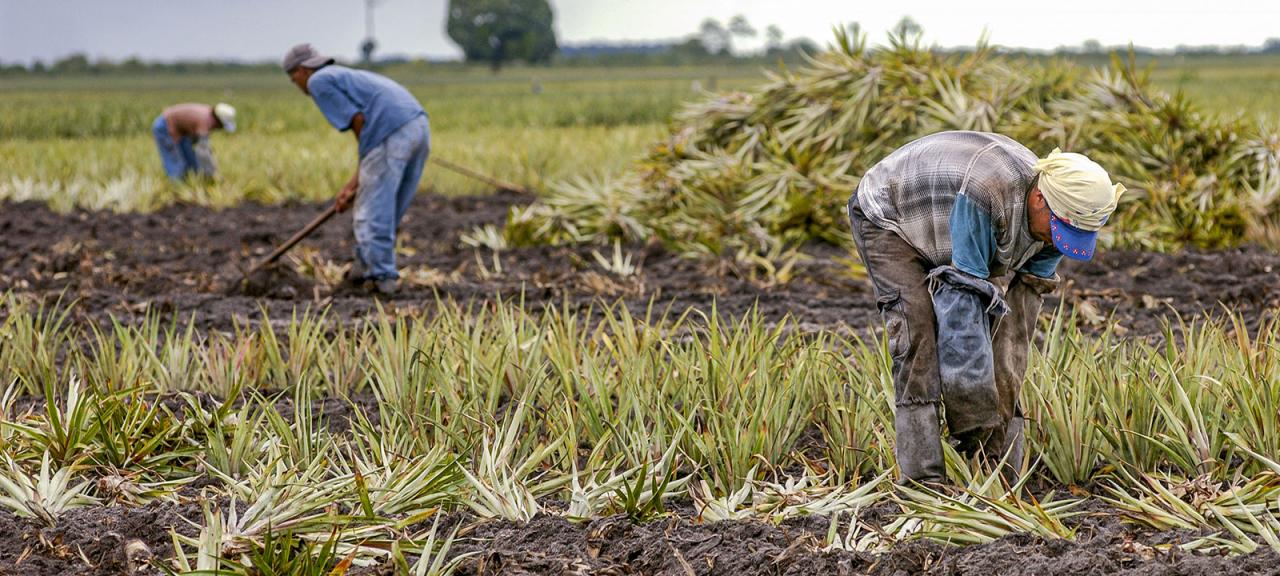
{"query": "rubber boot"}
[(972, 442), (919, 443), (1012, 450)]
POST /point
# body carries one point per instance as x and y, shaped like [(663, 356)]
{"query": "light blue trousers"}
[(179, 158), (389, 175)]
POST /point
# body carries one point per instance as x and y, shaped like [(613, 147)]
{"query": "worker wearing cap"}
[(394, 141), (936, 222), (182, 135)]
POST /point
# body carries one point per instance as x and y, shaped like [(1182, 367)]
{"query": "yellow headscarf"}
[(1078, 190)]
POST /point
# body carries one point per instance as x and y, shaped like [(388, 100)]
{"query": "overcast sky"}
[(264, 29)]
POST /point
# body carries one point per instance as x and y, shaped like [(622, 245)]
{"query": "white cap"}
[(226, 115)]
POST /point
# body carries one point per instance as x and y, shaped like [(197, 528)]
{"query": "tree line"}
[(497, 33)]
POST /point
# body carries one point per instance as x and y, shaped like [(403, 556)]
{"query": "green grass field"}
[(1249, 86), (86, 140)]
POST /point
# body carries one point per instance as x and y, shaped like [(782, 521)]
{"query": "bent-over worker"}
[(394, 141), (182, 135), (935, 222)]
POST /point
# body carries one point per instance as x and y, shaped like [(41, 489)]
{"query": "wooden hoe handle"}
[(496, 183), (303, 233)]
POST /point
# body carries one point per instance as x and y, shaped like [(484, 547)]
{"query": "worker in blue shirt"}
[(394, 141)]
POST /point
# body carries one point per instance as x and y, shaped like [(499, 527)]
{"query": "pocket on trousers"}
[(896, 329)]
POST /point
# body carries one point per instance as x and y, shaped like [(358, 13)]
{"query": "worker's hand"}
[(346, 197)]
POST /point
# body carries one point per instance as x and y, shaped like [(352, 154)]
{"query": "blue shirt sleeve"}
[(1044, 264), (973, 238), (337, 107)]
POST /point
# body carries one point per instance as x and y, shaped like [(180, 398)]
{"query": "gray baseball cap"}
[(305, 55)]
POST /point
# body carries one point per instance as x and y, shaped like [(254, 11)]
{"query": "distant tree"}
[(1091, 46), (75, 63), (1209, 50), (13, 69), (133, 64), (501, 31), (772, 39), (693, 46), (803, 45), (1271, 46), (715, 37), (908, 28), (690, 50), (740, 27)]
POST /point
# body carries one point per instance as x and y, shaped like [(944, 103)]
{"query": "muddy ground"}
[(114, 539), (130, 540), (679, 546), (182, 259)]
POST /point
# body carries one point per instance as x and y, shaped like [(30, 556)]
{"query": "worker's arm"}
[(205, 166), (1044, 264), (344, 114), (973, 238), (348, 194), (173, 130), (357, 124), (973, 244)]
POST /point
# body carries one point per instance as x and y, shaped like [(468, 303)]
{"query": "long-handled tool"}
[(499, 184), (327, 214), (303, 233)]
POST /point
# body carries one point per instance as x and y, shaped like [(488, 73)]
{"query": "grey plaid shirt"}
[(912, 191)]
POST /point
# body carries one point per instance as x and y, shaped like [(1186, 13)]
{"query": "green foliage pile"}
[(762, 172), (1195, 179)]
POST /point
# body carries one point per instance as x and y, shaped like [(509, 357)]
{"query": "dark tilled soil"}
[(122, 540), (187, 260), (113, 539), (679, 547)]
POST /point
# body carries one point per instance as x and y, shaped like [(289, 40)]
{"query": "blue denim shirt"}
[(973, 243), (341, 92)]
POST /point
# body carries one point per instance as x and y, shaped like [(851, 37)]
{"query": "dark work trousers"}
[(900, 277)]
